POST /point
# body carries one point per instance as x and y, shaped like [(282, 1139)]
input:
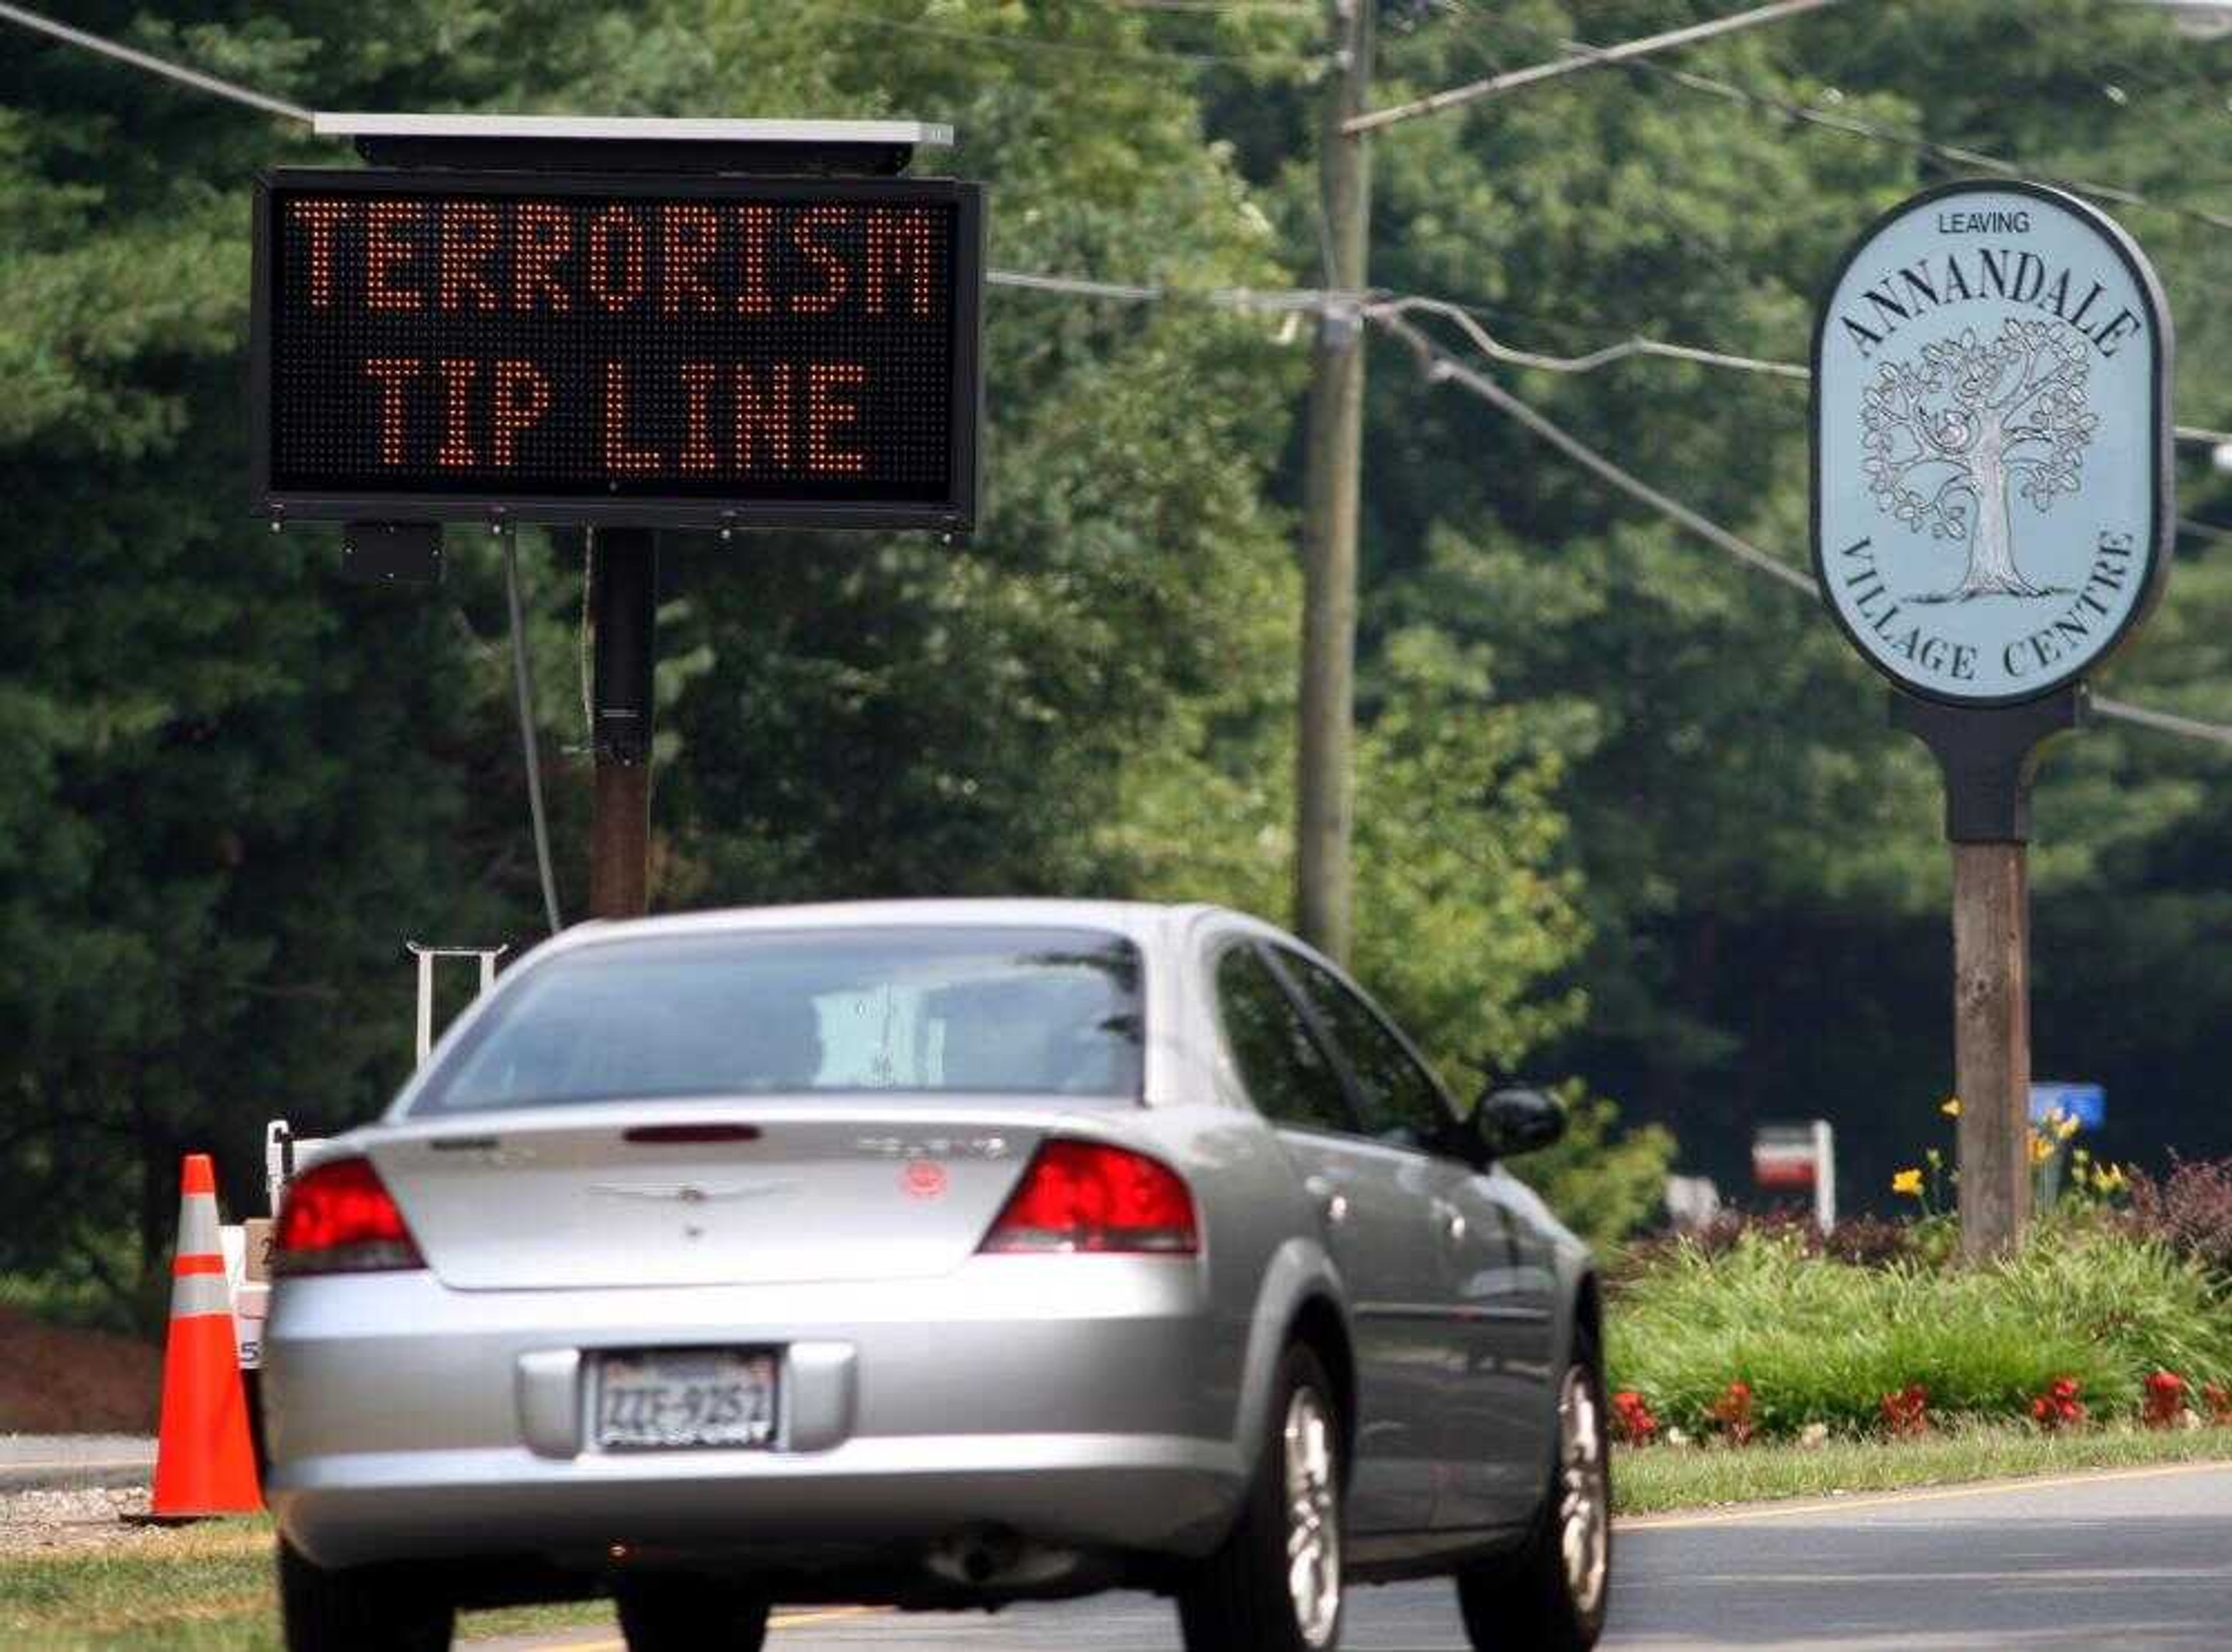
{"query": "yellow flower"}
[(2065, 1126), (1937, 1158), (1950, 1106), (1909, 1183), (2041, 1149)]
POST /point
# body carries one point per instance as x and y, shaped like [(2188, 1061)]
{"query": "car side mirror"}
[(1516, 1120)]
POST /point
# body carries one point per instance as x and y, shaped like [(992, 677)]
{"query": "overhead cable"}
[(523, 682), (1100, 54), (1512, 81), (154, 65), (1851, 127), (1488, 345), (1439, 367)]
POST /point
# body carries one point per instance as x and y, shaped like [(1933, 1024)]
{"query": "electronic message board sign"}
[(716, 352)]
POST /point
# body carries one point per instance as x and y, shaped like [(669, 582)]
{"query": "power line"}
[(1028, 44), (1226, 7), (1591, 361), (1443, 368), (1496, 84), (1439, 367), (154, 65), (1626, 349), (1852, 126), (2167, 722)]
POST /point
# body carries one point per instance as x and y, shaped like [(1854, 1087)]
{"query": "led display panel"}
[(706, 351)]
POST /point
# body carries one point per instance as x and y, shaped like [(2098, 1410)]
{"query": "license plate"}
[(661, 1398)]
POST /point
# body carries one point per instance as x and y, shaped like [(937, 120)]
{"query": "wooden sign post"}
[(1992, 518)]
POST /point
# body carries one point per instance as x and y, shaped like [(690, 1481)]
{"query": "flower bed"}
[(1769, 1334)]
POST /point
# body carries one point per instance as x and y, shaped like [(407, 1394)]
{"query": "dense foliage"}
[(1626, 814)]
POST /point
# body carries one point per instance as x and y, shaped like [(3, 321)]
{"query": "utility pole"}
[(1333, 461), (623, 608)]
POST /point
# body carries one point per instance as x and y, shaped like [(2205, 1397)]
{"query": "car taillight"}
[(1085, 1196), (338, 1218)]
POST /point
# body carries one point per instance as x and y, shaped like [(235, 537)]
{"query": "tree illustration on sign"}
[(1953, 437)]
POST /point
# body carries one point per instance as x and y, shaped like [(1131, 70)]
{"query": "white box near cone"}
[(248, 1244)]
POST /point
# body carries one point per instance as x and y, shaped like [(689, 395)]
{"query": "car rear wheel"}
[(1551, 1595), (1276, 1584), (690, 1615), (361, 1609)]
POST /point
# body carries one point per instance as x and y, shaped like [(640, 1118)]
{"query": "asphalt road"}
[(2131, 1559)]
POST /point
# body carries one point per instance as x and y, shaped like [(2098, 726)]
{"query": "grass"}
[(1661, 1478), (1822, 1341), (199, 1589)]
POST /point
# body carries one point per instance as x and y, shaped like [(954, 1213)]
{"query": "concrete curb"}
[(74, 1476), (32, 1462)]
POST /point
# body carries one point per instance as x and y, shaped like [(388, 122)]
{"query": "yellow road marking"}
[(1924, 1494), (780, 1621)]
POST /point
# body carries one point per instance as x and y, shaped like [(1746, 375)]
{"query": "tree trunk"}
[(1992, 570)]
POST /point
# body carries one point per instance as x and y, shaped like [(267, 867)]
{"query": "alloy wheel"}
[(1312, 1518), (1584, 1491)]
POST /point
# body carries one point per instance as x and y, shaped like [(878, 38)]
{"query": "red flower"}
[(2219, 1399), (1906, 1412), (1732, 1413), (1631, 1422), (2058, 1407), (2166, 1400)]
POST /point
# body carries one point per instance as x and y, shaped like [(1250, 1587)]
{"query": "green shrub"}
[(1821, 1340)]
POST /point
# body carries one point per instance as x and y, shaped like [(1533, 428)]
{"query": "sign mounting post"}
[(1993, 513), (628, 325)]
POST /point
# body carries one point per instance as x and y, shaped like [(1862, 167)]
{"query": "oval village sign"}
[(1992, 504)]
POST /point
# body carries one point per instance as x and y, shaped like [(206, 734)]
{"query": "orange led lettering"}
[(616, 257), (318, 220), (689, 237), (383, 252), (697, 458), (806, 236), (541, 235), (456, 452), (763, 419), (621, 458), (899, 256), (825, 412), (756, 223), (521, 397), (465, 238), (391, 374)]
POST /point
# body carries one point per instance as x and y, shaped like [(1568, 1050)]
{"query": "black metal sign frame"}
[(954, 514)]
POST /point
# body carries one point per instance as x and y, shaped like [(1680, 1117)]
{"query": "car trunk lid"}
[(764, 1192)]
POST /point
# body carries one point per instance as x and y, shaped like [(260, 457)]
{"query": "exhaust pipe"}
[(990, 1557)]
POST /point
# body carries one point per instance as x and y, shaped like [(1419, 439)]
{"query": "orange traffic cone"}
[(204, 1462)]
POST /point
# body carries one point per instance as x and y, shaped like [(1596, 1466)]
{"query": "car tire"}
[(359, 1608), (690, 1615), (1250, 1595), (1550, 1597)]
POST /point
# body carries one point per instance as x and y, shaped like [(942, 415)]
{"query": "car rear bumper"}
[(406, 1420)]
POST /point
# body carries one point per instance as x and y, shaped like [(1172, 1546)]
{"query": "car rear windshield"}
[(974, 1011)]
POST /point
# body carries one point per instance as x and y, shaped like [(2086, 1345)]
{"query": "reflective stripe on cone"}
[(204, 1464)]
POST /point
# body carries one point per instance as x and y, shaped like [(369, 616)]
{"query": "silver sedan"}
[(935, 1253)]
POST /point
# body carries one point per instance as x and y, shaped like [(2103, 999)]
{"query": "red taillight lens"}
[(337, 1218), (1085, 1196)]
